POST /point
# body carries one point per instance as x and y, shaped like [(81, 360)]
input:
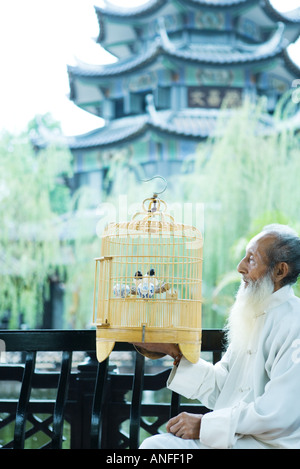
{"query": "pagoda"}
[(179, 64)]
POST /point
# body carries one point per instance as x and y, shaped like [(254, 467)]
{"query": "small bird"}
[(138, 277), (145, 289), (151, 273), (121, 291)]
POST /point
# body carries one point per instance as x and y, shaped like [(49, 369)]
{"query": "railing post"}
[(116, 412), (175, 404), (98, 401), (61, 399), (85, 384), (21, 413), (137, 392)]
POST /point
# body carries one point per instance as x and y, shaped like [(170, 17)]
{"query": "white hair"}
[(286, 248)]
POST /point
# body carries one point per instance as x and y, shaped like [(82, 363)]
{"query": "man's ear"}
[(281, 271)]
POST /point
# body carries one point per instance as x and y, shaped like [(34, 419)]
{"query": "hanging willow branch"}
[(29, 242)]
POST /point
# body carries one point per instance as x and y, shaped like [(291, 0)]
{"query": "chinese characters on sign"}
[(214, 97)]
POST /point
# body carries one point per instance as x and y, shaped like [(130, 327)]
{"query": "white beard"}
[(250, 303)]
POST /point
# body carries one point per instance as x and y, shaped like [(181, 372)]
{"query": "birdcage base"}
[(103, 349), (190, 351), (189, 341)]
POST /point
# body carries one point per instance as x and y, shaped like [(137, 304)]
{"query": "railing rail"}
[(92, 398)]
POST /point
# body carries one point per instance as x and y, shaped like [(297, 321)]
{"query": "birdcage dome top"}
[(153, 221), (150, 227)]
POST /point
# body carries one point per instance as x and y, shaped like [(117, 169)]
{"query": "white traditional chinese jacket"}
[(253, 395)]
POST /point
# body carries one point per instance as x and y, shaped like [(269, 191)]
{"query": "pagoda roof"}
[(192, 124), (189, 123), (115, 12), (153, 6), (241, 54), (291, 16), (132, 20)]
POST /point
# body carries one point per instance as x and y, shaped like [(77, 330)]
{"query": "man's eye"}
[(251, 259)]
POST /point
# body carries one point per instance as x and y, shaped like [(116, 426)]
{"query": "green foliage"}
[(29, 242), (46, 121)]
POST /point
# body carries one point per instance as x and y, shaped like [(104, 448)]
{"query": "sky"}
[(39, 38)]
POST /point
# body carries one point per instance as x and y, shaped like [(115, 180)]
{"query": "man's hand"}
[(168, 349), (185, 425)]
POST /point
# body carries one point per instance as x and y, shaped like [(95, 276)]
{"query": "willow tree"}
[(29, 210)]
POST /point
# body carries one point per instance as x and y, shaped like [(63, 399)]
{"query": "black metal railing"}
[(87, 404)]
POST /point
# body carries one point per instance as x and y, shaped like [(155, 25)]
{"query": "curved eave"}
[(106, 137), (270, 49), (117, 68), (225, 4), (175, 132), (117, 12), (291, 66), (132, 136), (111, 136), (196, 126), (114, 12), (289, 17)]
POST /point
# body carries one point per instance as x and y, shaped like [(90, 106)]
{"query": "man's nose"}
[(241, 267)]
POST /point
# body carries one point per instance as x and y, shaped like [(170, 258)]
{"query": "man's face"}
[(255, 263)]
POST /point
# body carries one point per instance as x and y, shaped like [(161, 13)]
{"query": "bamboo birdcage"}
[(148, 283)]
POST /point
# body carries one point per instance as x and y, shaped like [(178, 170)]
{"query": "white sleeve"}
[(218, 428), (202, 381)]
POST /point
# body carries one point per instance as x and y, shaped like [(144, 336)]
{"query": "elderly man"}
[(254, 390)]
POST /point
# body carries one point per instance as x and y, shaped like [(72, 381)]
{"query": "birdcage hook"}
[(157, 177), (155, 203)]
